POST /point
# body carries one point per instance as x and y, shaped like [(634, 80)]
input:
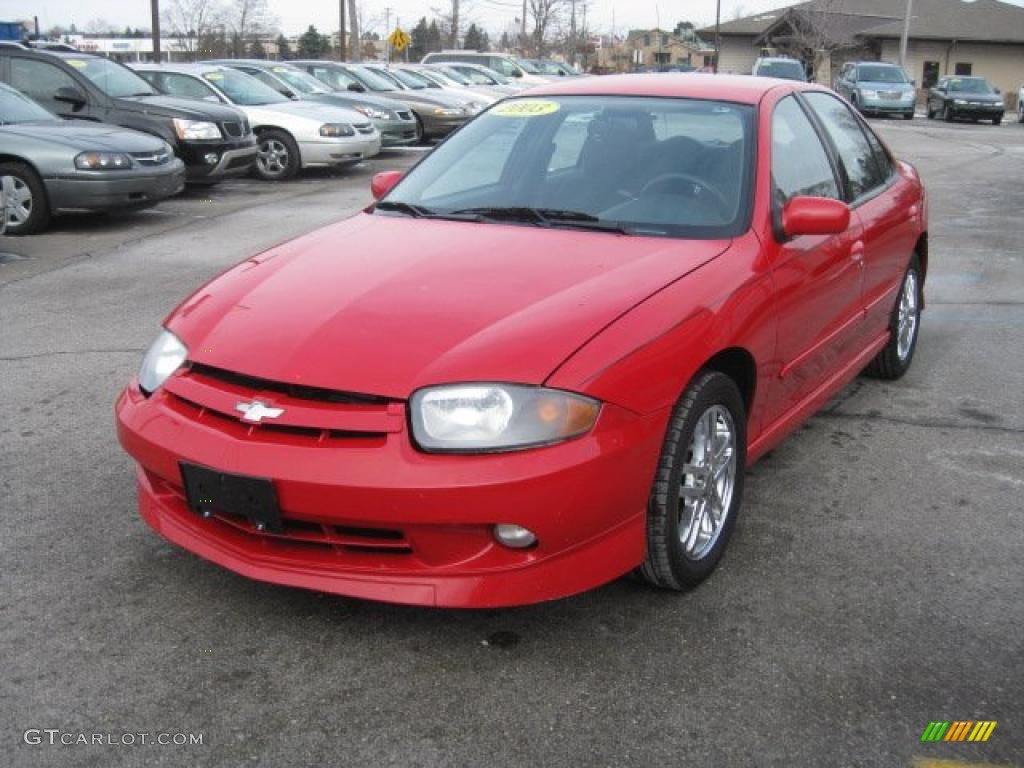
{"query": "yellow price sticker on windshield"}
[(526, 108), (77, 63), (280, 69), (213, 77)]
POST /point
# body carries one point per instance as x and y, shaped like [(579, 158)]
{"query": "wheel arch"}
[(263, 128), (739, 365), (6, 157), (921, 250)]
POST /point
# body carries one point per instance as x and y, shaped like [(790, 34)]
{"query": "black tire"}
[(421, 134), (277, 158), (1020, 112), (908, 116), (667, 564), (929, 111), (888, 363), (947, 113), (997, 120), (26, 180)]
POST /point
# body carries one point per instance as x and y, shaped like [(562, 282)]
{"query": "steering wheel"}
[(664, 178)]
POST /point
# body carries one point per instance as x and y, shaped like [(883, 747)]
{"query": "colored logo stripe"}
[(958, 730)]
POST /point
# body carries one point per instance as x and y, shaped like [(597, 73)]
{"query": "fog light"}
[(514, 536), (211, 158)]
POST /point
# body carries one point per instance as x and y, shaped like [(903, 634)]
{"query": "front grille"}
[(404, 115), (234, 129), (298, 391), (151, 159)]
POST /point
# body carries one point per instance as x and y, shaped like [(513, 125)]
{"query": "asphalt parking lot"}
[(874, 582)]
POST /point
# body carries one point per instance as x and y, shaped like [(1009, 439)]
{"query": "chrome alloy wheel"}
[(272, 157), (18, 196), (706, 487), (906, 325)]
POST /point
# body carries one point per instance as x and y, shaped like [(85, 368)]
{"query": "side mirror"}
[(815, 216), (357, 87), (913, 82), (71, 95), (997, 90), (382, 183)]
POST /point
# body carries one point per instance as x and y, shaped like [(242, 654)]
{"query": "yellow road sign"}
[(399, 39)]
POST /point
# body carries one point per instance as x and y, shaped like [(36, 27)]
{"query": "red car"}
[(544, 357)]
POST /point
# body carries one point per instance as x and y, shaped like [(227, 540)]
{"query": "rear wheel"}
[(27, 209), (277, 156), (699, 485), (895, 357)]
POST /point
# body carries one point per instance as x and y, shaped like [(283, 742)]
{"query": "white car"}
[(291, 134)]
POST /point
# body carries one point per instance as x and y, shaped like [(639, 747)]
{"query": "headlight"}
[(163, 358), (372, 112), (449, 112), (482, 418), (959, 101), (999, 104), (190, 130), (868, 94), (337, 130), (103, 161)]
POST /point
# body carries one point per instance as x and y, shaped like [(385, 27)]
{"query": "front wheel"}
[(1020, 112), (277, 156), (895, 357), (997, 120), (908, 115), (699, 484), (947, 114), (27, 209)]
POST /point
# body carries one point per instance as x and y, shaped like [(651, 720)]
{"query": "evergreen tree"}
[(472, 41), (504, 43), (419, 47), (434, 42), (256, 49), (284, 51)]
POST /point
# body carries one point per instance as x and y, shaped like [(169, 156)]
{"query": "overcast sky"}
[(494, 15)]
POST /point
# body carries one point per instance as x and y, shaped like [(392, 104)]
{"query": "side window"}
[(855, 152), (883, 162), (186, 86), (800, 165), (963, 69), (39, 80)]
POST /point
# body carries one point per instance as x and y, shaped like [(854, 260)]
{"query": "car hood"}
[(881, 85), (348, 98), (384, 305), (188, 109), (984, 98), (430, 97), (321, 112), (79, 135)]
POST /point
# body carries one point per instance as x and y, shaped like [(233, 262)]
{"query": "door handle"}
[(857, 252)]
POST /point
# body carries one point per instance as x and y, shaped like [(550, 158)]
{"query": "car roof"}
[(189, 67), (736, 88)]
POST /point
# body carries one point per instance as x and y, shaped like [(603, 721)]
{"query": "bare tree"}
[(247, 19), (815, 33), (546, 15), (191, 21)]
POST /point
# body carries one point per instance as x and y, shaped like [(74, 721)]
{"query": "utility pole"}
[(154, 7), (522, 31), (455, 23), (906, 35), (572, 35), (341, 30), (387, 30), (718, 35)]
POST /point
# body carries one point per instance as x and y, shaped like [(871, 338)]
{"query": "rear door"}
[(881, 199), (817, 278)]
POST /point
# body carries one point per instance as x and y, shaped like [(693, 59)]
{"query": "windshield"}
[(335, 77), (409, 79), (300, 81), (970, 85), (15, 108), (528, 66), (112, 78), (435, 78), (372, 80), (489, 76), (651, 166), (461, 79), (244, 90), (876, 74), (549, 68), (787, 70)]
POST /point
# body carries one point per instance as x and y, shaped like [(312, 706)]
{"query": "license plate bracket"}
[(210, 491)]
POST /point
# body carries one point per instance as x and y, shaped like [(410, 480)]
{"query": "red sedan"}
[(544, 357)]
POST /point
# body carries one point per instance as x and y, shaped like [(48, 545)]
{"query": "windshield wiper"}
[(416, 211), (546, 217)]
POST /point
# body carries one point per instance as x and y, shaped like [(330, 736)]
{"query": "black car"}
[(973, 98), (213, 140)]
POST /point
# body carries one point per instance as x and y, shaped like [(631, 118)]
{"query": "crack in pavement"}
[(920, 423), (37, 355)]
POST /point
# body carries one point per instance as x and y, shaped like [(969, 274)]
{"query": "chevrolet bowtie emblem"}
[(256, 411)]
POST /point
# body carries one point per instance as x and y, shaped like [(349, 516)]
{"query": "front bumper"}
[(234, 158), (437, 126), (396, 133), (371, 517), (338, 151), (976, 111), (114, 190), (877, 106)]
